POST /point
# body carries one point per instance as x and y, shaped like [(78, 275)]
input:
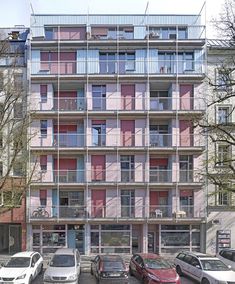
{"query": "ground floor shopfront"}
[(117, 238)]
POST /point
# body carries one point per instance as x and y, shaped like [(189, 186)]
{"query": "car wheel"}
[(41, 269), (130, 271), (205, 281), (179, 271), (30, 279)]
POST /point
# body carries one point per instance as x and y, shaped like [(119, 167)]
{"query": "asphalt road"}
[(87, 278)]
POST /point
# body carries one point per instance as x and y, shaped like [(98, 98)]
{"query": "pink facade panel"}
[(186, 97), (98, 167), (127, 97), (127, 133), (65, 164), (186, 130), (98, 202), (70, 33)]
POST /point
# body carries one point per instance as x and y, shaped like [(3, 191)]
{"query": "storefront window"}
[(175, 239), (94, 238), (36, 239), (53, 238), (115, 239), (195, 238)]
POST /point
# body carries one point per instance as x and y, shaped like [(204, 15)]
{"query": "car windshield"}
[(63, 261), (213, 265), (18, 262), (113, 266), (156, 263)]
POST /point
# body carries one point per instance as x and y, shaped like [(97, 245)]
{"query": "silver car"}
[(63, 267)]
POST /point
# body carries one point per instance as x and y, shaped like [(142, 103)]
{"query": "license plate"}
[(114, 274)]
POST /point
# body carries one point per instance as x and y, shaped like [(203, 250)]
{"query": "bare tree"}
[(218, 123), (14, 121)]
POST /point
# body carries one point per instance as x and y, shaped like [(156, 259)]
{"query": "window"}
[(49, 33), (223, 155), (43, 128), (99, 97), (12, 198), (18, 110), (223, 115), (98, 133), (18, 169), (130, 61), (18, 82), (127, 203), (43, 93), (222, 79), (186, 168), (43, 197), (159, 136), (127, 168), (167, 32), (43, 162), (1, 140), (1, 169), (1, 81), (223, 195)]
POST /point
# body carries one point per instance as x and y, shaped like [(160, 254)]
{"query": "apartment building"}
[(221, 118), (13, 91), (116, 156)]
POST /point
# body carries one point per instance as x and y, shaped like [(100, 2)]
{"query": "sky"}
[(17, 12)]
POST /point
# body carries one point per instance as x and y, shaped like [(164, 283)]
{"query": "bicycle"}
[(40, 212)]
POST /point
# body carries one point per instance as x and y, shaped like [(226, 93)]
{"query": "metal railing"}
[(111, 211), (120, 32), (121, 104), (121, 67), (114, 176)]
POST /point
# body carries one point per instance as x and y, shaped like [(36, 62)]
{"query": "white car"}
[(22, 268), (64, 267), (204, 268), (228, 257)]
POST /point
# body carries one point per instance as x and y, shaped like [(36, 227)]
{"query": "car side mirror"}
[(32, 264), (198, 266), (229, 266)]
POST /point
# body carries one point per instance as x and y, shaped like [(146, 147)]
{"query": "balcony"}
[(68, 140), (160, 211), (121, 67), (160, 175)]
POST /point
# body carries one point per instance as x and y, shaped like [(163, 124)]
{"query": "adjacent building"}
[(13, 100), (220, 157), (115, 153)]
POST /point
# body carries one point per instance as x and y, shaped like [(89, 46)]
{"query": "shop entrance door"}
[(14, 239)]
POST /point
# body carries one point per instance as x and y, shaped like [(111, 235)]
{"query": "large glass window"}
[(223, 115), (127, 168), (223, 155), (98, 134), (186, 168), (99, 97), (127, 203)]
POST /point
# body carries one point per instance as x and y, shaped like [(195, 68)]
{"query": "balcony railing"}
[(121, 104), (124, 140), (120, 32), (160, 211), (115, 176), (111, 211), (121, 67), (159, 175)]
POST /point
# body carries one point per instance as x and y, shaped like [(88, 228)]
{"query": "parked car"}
[(228, 257), (65, 266), (22, 268), (109, 268), (204, 268), (153, 269)]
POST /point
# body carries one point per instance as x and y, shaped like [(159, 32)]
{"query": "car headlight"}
[(21, 277), (153, 277), (73, 277), (47, 277)]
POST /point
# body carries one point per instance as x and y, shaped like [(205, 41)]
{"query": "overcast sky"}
[(16, 12)]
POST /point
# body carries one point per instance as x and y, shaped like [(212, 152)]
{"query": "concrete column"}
[(87, 239), (145, 238)]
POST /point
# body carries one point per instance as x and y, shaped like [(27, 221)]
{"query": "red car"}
[(153, 269)]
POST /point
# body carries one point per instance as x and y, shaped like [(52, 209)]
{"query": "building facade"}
[(115, 152), (13, 92), (221, 118)]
